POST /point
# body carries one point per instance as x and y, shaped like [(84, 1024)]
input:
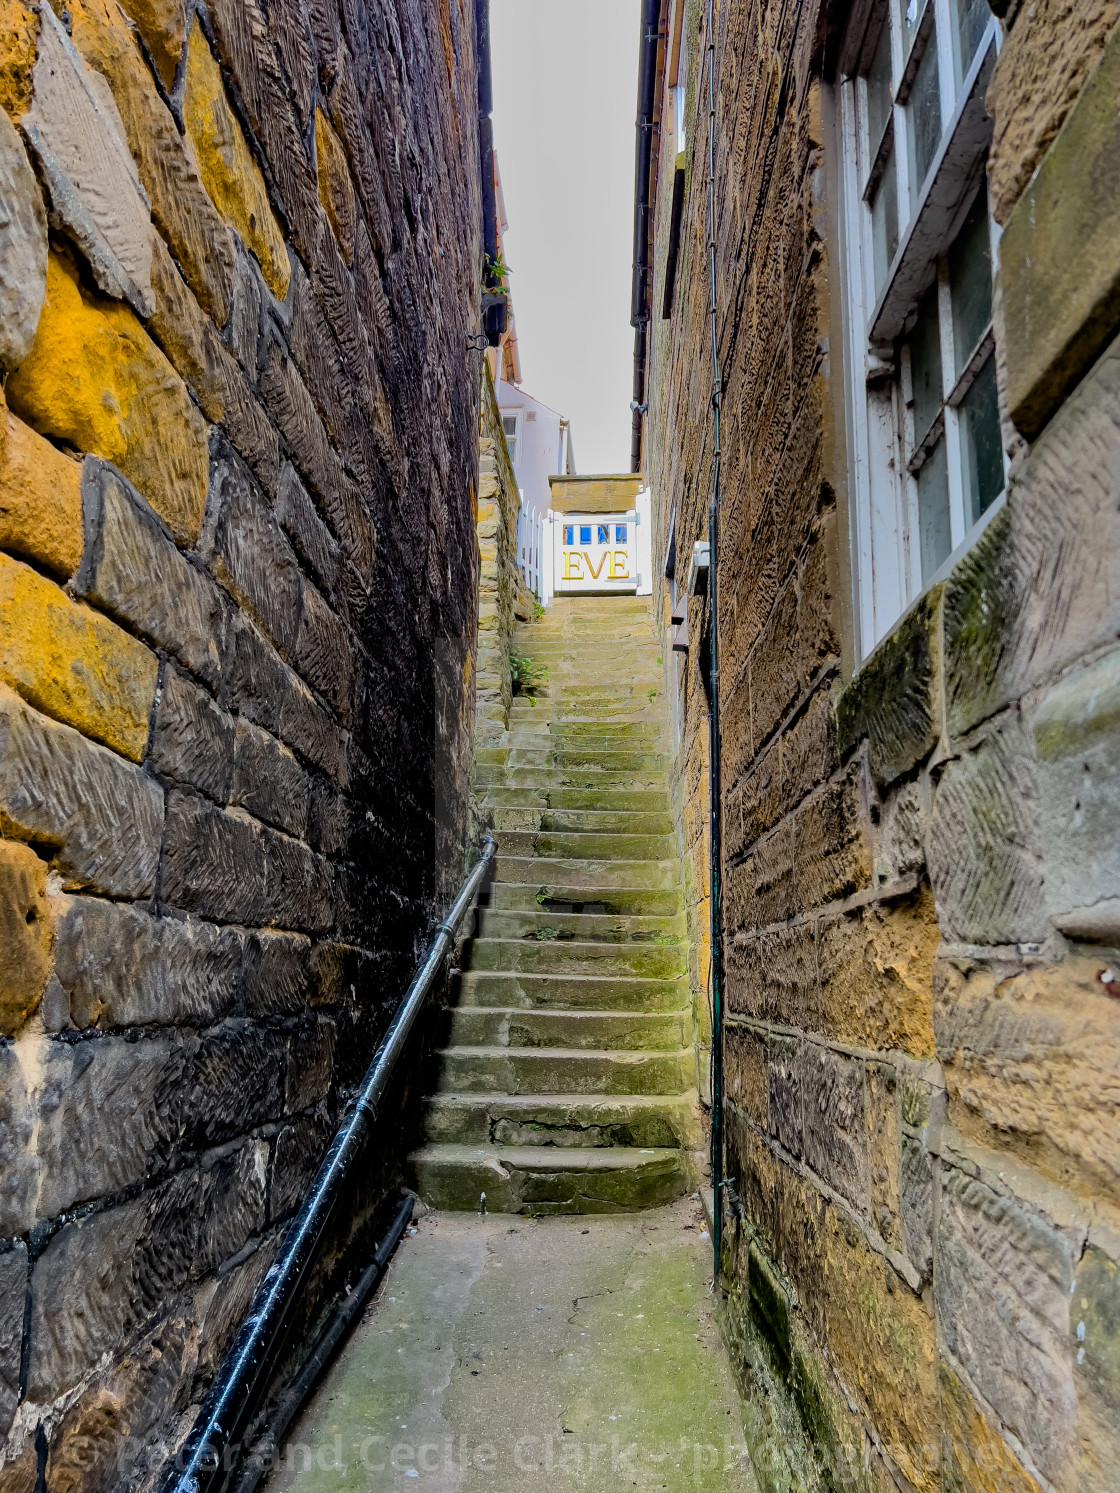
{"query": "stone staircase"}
[(567, 1082)]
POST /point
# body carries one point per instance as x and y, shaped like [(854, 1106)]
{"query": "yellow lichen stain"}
[(976, 1456), (95, 380), (40, 499), (19, 35), (226, 165), (336, 190), (26, 934), (161, 23), (72, 663)]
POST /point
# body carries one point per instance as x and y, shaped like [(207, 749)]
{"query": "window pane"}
[(620, 533), (933, 511), (972, 17), (911, 13), (585, 533), (884, 222), (569, 531), (970, 281), (879, 95), (925, 366), (981, 447), (924, 116), (602, 534)]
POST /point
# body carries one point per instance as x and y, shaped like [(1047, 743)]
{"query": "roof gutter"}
[(643, 151)]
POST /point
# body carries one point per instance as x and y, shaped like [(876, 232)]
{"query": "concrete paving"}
[(559, 1353)]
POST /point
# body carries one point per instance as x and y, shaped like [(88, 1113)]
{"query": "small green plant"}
[(651, 695), (526, 676), (659, 658), (538, 610), (542, 896), (496, 272), (546, 935)]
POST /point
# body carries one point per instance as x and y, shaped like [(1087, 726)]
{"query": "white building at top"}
[(540, 447)]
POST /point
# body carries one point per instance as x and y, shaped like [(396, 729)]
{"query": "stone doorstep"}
[(566, 1121), (523, 1179), (571, 992), (595, 1031), (563, 1070)]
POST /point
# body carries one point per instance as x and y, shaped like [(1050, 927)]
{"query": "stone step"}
[(630, 822), (563, 1070), (603, 737), (575, 1121), (649, 961), (509, 988), (494, 775), (615, 800), (581, 927), (540, 1180), (601, 1031), (612, 901), (608, 759), (595, 846), (573, 879)]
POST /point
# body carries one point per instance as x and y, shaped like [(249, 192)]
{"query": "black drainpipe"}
[(639, 301), (494, 313), (714, 824)]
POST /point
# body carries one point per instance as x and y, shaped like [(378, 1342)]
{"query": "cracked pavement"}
[(565, 1353)]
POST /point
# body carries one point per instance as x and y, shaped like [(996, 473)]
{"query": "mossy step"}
[(615, 1031), (487, 775), (595, 846), (606, 759), (606, 739), (614, 800), (580, 1121), (581, 927), (509, 988), (613, 901), (649, 961), (572, 879), (563, 1070), (578, 821), (540, 1180)]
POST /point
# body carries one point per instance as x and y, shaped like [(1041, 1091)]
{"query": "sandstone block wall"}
[(500, 586), (239, 264), (922, 1248)]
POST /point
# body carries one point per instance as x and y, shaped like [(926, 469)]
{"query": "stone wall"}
[(920, 913), (500, 587), (239, 264)]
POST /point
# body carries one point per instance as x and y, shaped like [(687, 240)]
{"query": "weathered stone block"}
[(72, 663), (310, 1065), (108, 1114), (329, 818), (190, 340), (892, 700), (23, 248), (19, 34), (18, 1163), (181, 207), (1030, 1060), (235, 1203), (322, 651), (268, 781), (161, 23), (95, 379), (277, 974), (13, 1299), (186, 614), (336, 190), (230, 867), (916, 1189), (222, 1305), (99, 818), (77, 134), (1095, 1323), (122, 967), (229, 172), (237, 1082), (245, 317), (296, 1154), (745, 1072), (1060, 265), (312, 539), (192, 738), (1002, 1286), (26, 933), (40, 500), (248, 553), (773, 976), (976, 1455), (1076, 727), (983, 845), (828, 1092), (875, 967)]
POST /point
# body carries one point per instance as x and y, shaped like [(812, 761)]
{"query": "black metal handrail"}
[(205, 1464)]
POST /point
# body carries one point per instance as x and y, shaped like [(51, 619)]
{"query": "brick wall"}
[(238, 575), (921, 884)]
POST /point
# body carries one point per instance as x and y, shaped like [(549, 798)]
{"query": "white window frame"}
[(885, 548), (514, 448)]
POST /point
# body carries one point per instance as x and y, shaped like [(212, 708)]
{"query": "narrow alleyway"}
[(519, 1344)]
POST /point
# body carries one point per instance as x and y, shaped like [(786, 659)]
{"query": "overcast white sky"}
[(565, 89)]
